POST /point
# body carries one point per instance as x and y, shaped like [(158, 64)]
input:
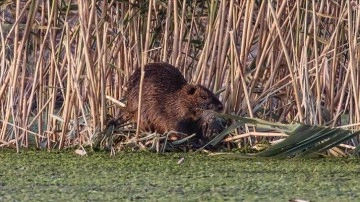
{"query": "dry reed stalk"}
[(166, 32), (180, 36), (317, 67), (352, 40)]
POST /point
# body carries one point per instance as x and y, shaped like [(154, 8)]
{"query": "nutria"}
[(169, 103)]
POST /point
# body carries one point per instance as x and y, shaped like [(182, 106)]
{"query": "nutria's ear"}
[(190, 89)]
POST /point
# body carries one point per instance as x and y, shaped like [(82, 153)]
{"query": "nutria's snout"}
[(216, 106)]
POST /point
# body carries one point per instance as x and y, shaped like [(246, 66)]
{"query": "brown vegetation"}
[(63, 61)]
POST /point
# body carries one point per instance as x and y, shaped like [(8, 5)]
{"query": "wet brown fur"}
[(169, 103)]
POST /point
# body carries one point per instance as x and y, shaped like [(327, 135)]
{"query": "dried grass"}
[(277, 61)]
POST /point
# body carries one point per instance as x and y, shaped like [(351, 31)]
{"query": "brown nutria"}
[(169, 103)]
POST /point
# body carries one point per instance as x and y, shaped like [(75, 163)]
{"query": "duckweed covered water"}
[(65, 176)]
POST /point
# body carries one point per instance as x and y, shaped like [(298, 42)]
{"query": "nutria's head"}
[(202, 98), (202, 103)]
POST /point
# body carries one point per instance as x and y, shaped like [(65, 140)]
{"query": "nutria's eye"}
[(203, 97)]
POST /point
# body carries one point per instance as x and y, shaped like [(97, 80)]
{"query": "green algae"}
[(65, 176)]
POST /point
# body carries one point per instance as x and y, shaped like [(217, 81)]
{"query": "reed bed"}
[(65, 63)]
